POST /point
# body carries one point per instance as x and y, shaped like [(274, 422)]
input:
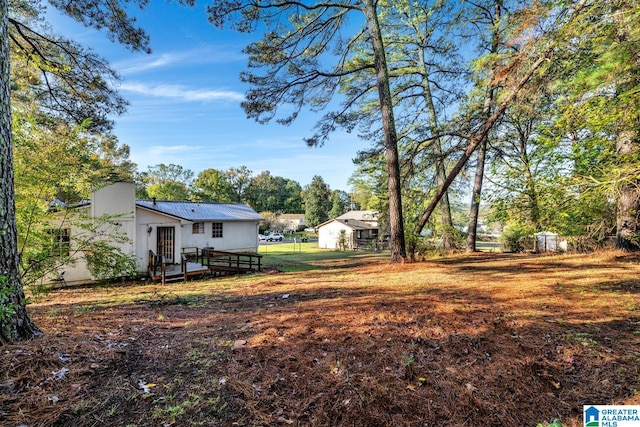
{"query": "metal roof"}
[(360, 215), (202, 211), (355, 224), (291, 216), (59, 204)]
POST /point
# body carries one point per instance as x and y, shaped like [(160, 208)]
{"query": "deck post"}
[(164, 271), (183, 263)]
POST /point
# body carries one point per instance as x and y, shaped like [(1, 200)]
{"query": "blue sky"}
[(185, 102)]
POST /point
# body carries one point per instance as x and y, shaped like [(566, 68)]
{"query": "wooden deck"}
[(192, 269), (158, 269), (222, 262), (202, 262)]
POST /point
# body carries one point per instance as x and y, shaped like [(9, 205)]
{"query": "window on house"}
[(217, 229), (60, 241), (197, 228), (374, 232)]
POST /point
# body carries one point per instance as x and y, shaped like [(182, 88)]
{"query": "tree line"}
[(265, 193), (532, 105)]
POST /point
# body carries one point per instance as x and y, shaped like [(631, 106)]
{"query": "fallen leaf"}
[(145, 386), (64, 358), (239, 344), (61, 373)]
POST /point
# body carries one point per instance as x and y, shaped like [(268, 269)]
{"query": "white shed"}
[(546, 241)]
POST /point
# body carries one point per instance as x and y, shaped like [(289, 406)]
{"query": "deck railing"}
[(209, 259), (230, 262), (157, 267)]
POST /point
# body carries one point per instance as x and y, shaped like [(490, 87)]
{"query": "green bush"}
[(106, 261), (417, 246), (512, 237)]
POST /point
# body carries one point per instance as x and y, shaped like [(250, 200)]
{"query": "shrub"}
[(513, 236)]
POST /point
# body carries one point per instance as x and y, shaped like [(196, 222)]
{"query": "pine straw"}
[(505, 340)]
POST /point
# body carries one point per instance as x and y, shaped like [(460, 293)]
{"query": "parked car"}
[(275, 237), (261, 237)]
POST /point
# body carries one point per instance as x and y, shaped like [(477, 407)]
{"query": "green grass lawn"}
[(305, 256)]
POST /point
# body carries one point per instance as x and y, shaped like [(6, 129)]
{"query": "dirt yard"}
[(468, 340)]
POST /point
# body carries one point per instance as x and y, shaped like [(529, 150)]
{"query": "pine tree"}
[(74, 87)]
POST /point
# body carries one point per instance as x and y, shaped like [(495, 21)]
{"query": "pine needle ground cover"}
[(467, 340)]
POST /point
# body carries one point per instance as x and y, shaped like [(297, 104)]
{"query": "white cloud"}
[(149, 63), (171, 149), (200, 56), (181, 92), (156, 154)]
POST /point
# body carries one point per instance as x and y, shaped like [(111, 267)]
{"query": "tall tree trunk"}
[(532, 195), (445, 211), (474, 211), (477, 139), (396, 222), (628, 204), (476, 195), (14, 320), (441, 172)]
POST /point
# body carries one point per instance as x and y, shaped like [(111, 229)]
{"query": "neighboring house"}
[(291, 222), (168, 228), (369, 217), (360, 231)]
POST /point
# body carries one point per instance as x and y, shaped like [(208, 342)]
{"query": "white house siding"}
[(329, 233), (147, 235), (237, 236), (116, 199), (118, 202), (79, 272)]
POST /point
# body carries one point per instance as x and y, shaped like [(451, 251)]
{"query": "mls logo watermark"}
[(611, 416)]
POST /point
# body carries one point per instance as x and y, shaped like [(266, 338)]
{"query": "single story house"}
[(352, 230), (167, 228), (291, 222)]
